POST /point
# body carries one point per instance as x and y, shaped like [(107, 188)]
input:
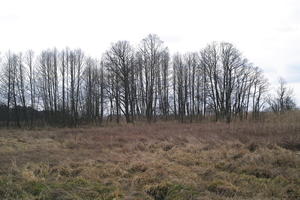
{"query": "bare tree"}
[(283, 101), (118, 61), (66, 88), (32, 83), (150, 50)]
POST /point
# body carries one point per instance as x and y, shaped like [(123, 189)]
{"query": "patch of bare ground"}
[(163, 160)]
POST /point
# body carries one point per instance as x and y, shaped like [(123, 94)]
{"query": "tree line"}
[(67, 88)]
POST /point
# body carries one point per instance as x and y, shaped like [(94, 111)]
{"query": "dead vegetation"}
[(161, 161)]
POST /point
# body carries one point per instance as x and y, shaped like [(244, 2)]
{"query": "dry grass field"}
[(160, 161)]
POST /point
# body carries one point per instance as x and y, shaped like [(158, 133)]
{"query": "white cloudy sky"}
[(266, 31)]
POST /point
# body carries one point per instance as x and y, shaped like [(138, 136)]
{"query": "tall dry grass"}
[(164, 160)]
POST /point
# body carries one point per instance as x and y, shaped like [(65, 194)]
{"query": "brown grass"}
[(165, 160)]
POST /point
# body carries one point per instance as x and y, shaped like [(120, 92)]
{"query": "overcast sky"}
[(266, 31)]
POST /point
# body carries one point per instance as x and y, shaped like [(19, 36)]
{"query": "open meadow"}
[(163, 160), (150, 100)]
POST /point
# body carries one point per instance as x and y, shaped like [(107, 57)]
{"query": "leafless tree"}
[(118, 60), (151, 49), (66, 88), (283, 101)]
